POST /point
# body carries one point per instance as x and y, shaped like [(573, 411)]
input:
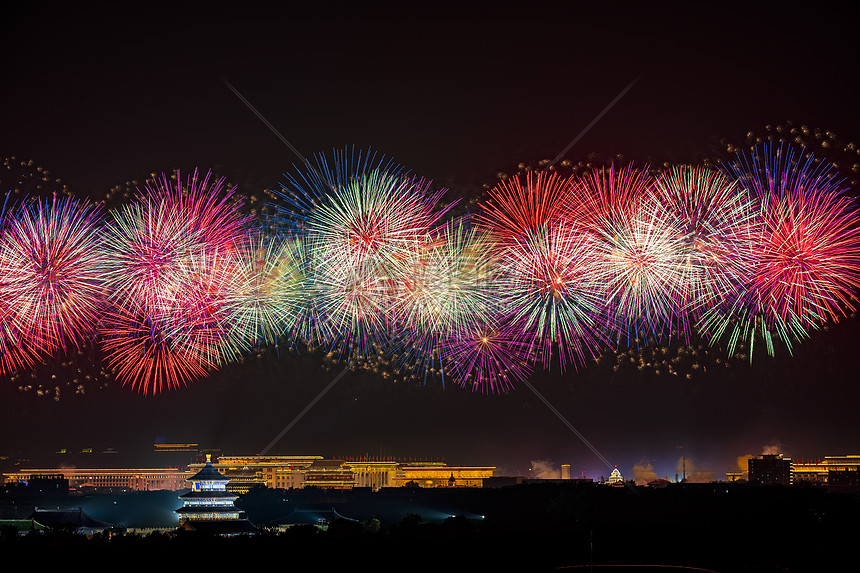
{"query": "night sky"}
[(102, 96)]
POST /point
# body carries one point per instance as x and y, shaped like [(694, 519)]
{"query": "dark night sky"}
[(100, 95)]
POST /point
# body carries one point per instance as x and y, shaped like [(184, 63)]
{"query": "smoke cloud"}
[(695, 473), (544, 469), (643, 472)]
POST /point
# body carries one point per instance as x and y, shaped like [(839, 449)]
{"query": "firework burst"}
[(806, 257), (640, 255), (366, 223), (52, 273), (719, 225), (546, 269), (447, 286), (174, 276)]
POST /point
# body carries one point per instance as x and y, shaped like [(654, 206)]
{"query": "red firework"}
[(174, 279)]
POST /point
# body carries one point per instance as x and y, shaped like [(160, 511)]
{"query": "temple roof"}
[(208, 473), (75, 517)]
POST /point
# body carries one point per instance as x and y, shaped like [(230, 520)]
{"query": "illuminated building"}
[(615, 478), (281, 472), (161, 447), (565, 471), (110, 479), (439, 474), (329, 474), (373, 474), (818, 471), (287, 472), (770, 469), (245, 472), (737, 475), (209, 507)]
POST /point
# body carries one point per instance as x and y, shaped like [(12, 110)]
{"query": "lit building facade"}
[(439, 474), (615, 478), (245, 472), (281, 472), (818, 471), (565, 471), (110, 479), (286, 472)]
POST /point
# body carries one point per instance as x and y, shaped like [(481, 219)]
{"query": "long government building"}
[(283, 472)]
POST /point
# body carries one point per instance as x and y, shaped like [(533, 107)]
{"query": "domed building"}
[(209, 507), (615, 478)]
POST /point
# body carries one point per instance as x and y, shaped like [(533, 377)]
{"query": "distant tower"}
[(209, 506), (565, 471), (615, 477)]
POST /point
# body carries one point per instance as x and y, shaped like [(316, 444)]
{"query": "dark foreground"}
[(535, 527)]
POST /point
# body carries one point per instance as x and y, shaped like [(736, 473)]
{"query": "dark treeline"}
[(535, 527)]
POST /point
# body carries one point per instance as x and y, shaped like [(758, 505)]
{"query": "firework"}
[(447, 285), (269, 290), (546, 268), (806, 257), (175, 277), (640, 256), (487, 356), (143, 354), (517, 210), (365, 223), (51, 270), (719, 225)]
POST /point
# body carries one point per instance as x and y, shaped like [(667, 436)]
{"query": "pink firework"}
[(487, 356), (52, 274), (174, 277)]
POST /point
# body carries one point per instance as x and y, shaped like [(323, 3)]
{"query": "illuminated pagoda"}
[(209, 507)]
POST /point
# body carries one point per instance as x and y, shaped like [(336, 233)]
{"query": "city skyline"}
[(455, 95)]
